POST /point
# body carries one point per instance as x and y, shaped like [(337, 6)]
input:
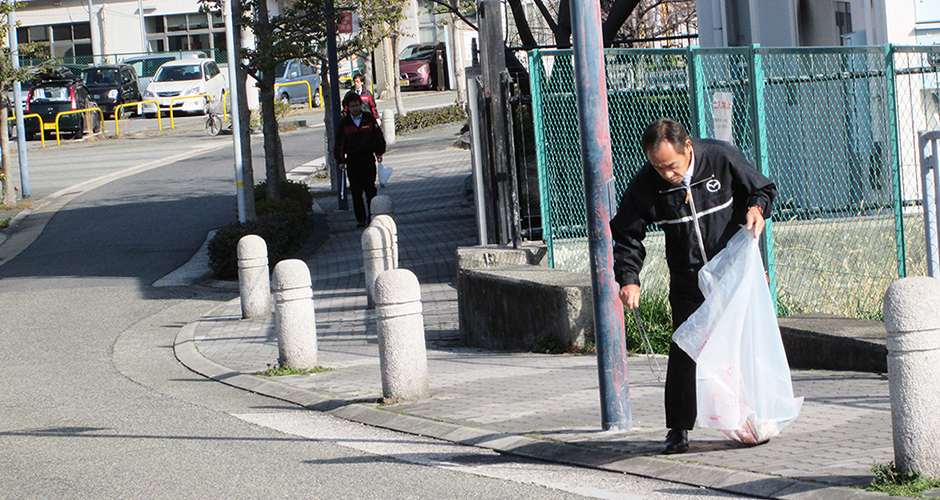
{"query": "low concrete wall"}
[(827, 342), (509, 300), (525, 308)]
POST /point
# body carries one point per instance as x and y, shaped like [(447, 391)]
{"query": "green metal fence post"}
[(895, 160), (536, 74), (698, 94), (762, 156)]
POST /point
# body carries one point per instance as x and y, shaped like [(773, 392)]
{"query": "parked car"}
[(184, 77), (295, 70), (147, 66), (423, 65), (51, 97), (111, 85), (38, 74)]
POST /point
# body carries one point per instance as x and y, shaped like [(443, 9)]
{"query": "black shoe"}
[(361, 224), (677, 441)]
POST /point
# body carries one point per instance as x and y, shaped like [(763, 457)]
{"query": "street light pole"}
[(236, 116), (18, 108), (143, 26), (599, 187)]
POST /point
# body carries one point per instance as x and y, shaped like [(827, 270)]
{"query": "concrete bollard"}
[(381, 205), (294, 319), (912, 320), (254, 281), (387, 222), (375, 258), (388, 126), (402, 353)]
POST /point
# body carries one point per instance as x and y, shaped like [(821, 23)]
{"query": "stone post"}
[(912, 321), (388, 126), (388, 223), (294, 319), (375, 258), (381, 205), (402, 353), (254, 281)]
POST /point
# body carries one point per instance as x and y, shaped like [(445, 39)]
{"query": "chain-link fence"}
[(835, 128)]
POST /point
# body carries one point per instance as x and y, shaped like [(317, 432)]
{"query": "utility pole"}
[(333, 63), (18, 108), (600, 191), (236, 115)]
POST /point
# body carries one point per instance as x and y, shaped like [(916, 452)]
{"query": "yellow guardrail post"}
[(224, 106), (309, 92), (159, 115), (58, 140), (180, 97), (117, 114), (42, 132)]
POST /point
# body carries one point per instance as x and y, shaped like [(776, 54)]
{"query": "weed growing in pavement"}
[(279, 370), (888, 479), (656, 318), (5, 223)]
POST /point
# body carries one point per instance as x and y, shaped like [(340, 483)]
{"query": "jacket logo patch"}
[(713, 185)]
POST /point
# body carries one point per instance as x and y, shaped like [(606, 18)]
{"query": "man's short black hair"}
[(664, 129), (351, 97), (360, 77)]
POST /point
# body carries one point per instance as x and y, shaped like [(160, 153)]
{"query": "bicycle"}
[(214, 121)]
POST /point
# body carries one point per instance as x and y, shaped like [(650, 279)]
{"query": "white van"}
[(146, 66), (181, 78)]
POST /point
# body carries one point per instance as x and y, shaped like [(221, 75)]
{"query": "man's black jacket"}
[(358, 141), (724, 185)]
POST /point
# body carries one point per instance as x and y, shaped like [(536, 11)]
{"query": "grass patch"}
[(280, 370), (656, 318), (888, 479), (5, 223), (429, 117)]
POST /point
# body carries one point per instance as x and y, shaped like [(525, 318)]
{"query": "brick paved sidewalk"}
[(524, 403)]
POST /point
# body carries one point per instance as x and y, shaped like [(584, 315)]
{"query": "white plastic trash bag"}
[(742, 375), (384, 173)]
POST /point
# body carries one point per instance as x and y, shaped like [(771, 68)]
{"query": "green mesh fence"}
[(835, 128)]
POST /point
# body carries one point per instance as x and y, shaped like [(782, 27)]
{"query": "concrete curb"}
[(673, 470)]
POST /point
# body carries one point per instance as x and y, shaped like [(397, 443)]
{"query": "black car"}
[(111, 85), (51, 97)]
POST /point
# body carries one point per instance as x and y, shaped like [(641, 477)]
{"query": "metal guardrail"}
[(58, 139), (117, 125), (309, 91), (180, 98), (42, 134)]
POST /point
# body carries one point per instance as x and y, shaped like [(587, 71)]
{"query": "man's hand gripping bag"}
[(742, 375)]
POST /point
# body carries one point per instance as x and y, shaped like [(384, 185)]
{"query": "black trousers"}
[(360, 170), (684, 297)]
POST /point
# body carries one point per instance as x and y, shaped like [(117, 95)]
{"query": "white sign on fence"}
[(722, 111)]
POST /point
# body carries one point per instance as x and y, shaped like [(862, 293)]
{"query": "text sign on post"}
[(348, 22), (722, 112)]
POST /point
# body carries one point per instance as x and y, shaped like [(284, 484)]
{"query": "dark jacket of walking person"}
[(368, 100), (699, 192), (359, 143)]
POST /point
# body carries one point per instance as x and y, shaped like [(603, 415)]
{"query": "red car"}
[(423, 65)]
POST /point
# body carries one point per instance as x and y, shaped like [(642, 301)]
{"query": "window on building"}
[(60, 40), (197, 31), (844, 20)]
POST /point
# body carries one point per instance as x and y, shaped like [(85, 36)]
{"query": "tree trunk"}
[(244, 117), (9, 193), (273, 155), (522, 24), (619, 12), (399, 105), (460, 79)]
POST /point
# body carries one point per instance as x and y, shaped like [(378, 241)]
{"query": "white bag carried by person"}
[(742, 375), (384, 173)]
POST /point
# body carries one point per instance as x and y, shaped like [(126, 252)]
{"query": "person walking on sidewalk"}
[(359, 143), (698, 192), (368, 101)]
